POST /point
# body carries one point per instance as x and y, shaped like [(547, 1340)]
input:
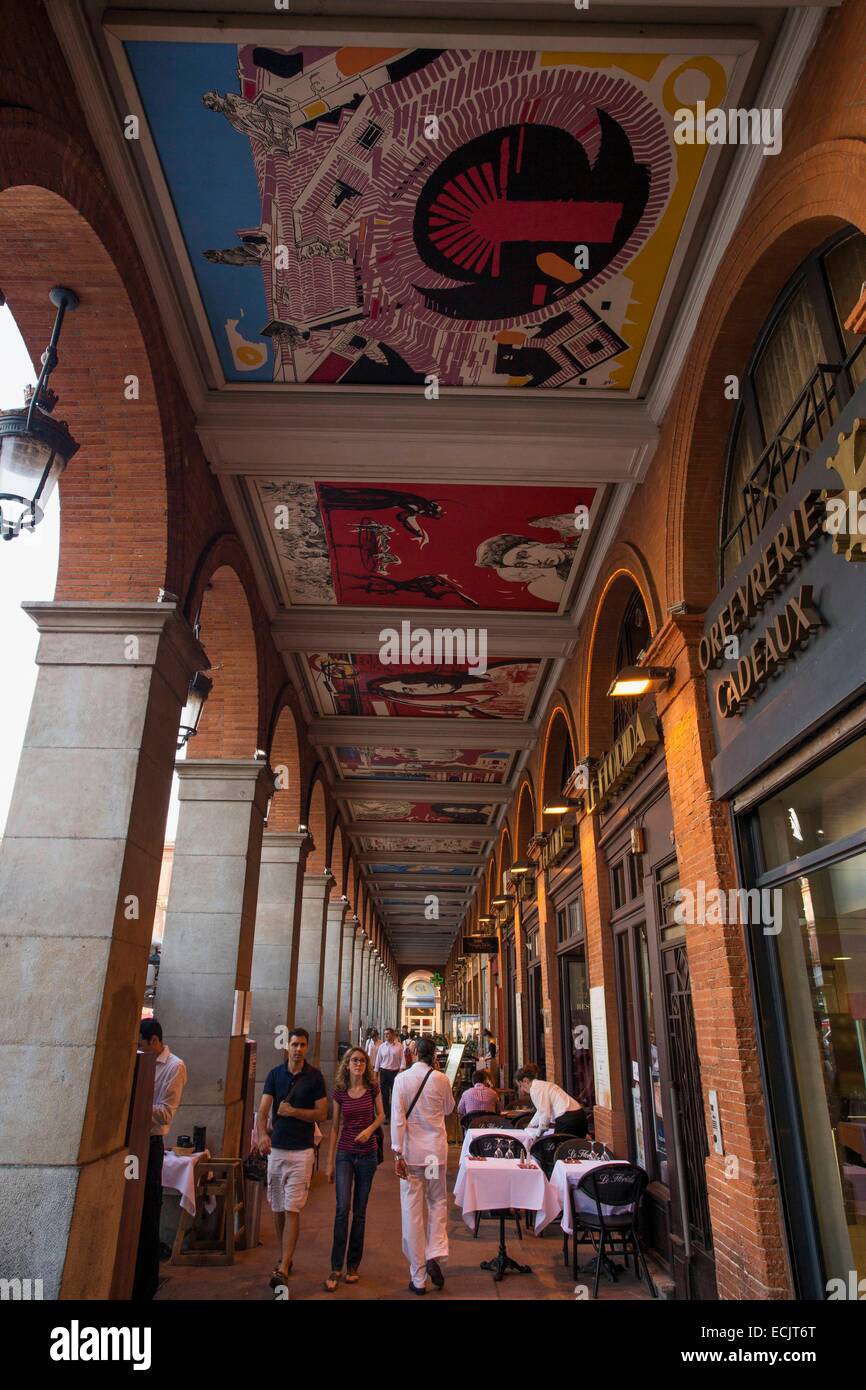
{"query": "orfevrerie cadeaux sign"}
[(784, 642)]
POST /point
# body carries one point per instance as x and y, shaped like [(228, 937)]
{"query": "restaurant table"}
[(526, 1137), (566, 1175), (497, 1184)]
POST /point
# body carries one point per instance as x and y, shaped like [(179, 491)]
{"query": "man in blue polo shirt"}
[(297, 1095)]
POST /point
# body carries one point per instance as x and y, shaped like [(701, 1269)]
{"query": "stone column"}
[(331, 988), (366, 1021), (357, 973), (311, 953), (208, 945), (79, 870), (275, 948), (345, 1024)]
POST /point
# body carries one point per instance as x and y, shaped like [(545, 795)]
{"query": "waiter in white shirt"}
[(388, 1062), (421, 1099), (168, 1083), (554, 1108)]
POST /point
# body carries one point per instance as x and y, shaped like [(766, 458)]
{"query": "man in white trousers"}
[(421, 1099)]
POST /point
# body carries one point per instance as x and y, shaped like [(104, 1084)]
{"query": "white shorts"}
[(289, 1174)]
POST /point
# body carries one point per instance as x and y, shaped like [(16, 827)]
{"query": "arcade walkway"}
[(384, 1273)]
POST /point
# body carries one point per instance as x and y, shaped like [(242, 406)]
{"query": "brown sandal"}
[(352, 1277), (332, 1280), (278, 1278)]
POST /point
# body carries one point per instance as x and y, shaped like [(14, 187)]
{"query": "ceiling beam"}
[(461, 732), (455, 793), (359, 629), (420, 830)]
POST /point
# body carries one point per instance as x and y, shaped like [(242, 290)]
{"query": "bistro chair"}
[(523, 1119), (545, 1151), (485, 1146), (583, 1151), (616, 1184), (486, 1120)]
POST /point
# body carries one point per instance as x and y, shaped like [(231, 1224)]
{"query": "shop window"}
[(801, 375), (812, 859), (625, 881), (569, 921)]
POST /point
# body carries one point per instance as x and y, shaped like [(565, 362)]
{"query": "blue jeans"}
[(358, 1171)]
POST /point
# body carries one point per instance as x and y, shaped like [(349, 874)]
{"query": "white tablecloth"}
[(567, 1175), (501, 1182), (527, 1137), (178, 1174)]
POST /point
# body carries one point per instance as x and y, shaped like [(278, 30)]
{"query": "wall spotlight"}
[(634, 681)]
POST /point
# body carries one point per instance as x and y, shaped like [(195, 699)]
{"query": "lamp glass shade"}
[(623, 688), (556, 808), (503, 901), (199, 689), (520, 868), (31, 462)]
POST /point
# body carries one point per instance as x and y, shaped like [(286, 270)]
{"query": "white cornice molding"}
[(351, 730), (95, 93), (796, 41)]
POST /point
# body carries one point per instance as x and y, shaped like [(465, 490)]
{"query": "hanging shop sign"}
[(555, 846), (616, 768), (480, 945)]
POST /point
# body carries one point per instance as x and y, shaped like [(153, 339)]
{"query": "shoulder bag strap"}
[(418, 1092)]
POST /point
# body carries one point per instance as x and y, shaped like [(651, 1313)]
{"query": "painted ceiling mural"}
[(378, 216), (411, 844), (447, 547), (427, 764), (361, 685), (422, 812), (414, 870)]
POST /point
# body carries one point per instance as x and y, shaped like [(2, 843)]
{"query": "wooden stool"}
[(222, 1178)]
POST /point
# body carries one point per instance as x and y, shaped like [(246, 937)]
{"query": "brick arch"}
[(490, 885), (525, 821), (504, 856), (336, 856), (114, 535), (626, 572), (560, 731), (230, 723), (316, 820), (284, 757), (820, 192)]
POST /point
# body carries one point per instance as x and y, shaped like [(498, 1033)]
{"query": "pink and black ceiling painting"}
[(361, 685), (427, 547)]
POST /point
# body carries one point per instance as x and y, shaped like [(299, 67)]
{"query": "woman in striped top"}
[(352, 1158)]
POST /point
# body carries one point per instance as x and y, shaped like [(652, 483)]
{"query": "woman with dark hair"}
[(355, 1146)]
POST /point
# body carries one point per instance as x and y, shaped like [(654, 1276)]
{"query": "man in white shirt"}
[(169, 1081), (388, 1062), (371, 1046), (554, 1108), (420, 1145)]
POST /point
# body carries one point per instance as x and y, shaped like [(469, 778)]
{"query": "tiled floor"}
[(384, 1272)]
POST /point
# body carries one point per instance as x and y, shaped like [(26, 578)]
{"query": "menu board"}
[(455, 1057)]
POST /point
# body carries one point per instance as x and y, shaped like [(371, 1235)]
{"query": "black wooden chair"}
[(523, 1119), (485, 1120), (582, 1150), (615, 1184), (545, 1151), (485, 1146)]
